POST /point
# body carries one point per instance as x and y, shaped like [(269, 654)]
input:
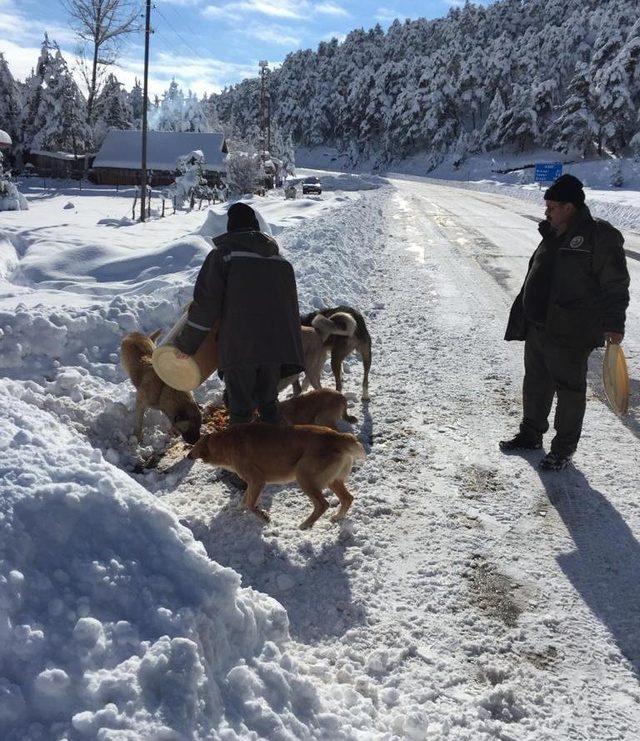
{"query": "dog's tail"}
[(354, 447), (339, 323)]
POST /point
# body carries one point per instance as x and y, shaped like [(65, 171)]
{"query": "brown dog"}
[(324, 407), (152, 393), (315, 457)]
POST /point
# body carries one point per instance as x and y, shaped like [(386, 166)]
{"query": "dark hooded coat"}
[(249, 290)]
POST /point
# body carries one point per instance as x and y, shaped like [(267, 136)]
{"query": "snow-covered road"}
[(469, 596)]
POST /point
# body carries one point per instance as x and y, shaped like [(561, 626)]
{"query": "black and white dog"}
[(342, 330)]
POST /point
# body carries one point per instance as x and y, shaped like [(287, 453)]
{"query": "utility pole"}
[(264, 71), (269, 123), (145, 94)]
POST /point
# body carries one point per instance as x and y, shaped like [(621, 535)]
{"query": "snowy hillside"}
[(466, 596), (555, 73)]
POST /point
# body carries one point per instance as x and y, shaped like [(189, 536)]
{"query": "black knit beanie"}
[(566, 189), (241, 217)]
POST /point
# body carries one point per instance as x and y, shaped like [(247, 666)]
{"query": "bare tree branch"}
[(101, 24)]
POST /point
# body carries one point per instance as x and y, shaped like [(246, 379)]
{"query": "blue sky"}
[(206, 44)]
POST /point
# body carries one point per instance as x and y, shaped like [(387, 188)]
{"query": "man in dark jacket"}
[(247, 288), (574, 296)]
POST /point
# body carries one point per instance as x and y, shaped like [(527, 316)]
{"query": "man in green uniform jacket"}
[(574, 297)]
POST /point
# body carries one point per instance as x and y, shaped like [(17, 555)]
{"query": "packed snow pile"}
[(114, 623), (10, 197)]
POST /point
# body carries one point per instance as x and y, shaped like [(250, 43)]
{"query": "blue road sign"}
[(547, 172)]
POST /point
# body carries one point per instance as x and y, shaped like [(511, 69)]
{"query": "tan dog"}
[(324, 407), (152, 393), (315, 457), (316, 347), (354, 336)]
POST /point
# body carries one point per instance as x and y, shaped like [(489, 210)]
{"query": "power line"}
[(188, 44)]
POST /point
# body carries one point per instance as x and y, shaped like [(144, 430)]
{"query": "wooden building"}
[(59, 164), (119, 160)]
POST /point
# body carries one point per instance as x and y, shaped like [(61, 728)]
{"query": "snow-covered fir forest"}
[(562, 74), (518, 73)]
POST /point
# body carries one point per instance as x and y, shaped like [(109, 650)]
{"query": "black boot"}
[(520, 442), (554, 461)]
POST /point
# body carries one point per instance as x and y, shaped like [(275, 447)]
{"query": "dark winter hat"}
[(566, 189), (242, 217)]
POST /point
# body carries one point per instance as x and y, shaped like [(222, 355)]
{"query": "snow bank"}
[(114, 624), (11, 199)]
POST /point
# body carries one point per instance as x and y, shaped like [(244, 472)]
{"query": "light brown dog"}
[(315, 348), (152, 393), (354, 336), (324, 407), (315, 457)]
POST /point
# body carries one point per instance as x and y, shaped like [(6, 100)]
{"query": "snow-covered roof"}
[(60, 155), (123, 149)]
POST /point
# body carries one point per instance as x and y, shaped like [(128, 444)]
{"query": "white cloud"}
[(272, 8), (286, 9), (201, 75), (20, 58), (16, 26), (280, 35), (330, 9)]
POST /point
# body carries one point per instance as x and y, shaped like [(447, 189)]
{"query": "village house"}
[(119, 160)]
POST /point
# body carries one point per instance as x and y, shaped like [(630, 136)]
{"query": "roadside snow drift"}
[(114, 622), (112, 617)]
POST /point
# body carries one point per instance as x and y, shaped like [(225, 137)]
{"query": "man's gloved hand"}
[(615, 338)]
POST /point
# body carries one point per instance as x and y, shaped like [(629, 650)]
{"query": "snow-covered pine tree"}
[(518, 125), (37, 105), (194, 117), (10, 103), (576, 127), (53, 111), (136, 99), (243, 170), (112, 109), (490, 136), (616, 92)]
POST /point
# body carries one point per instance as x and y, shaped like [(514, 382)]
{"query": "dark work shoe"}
[(554, 461), (520, 442)]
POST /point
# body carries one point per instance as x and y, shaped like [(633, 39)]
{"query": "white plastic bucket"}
[(185, 374)]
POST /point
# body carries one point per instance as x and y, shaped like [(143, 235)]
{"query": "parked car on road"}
[(311, 185)]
